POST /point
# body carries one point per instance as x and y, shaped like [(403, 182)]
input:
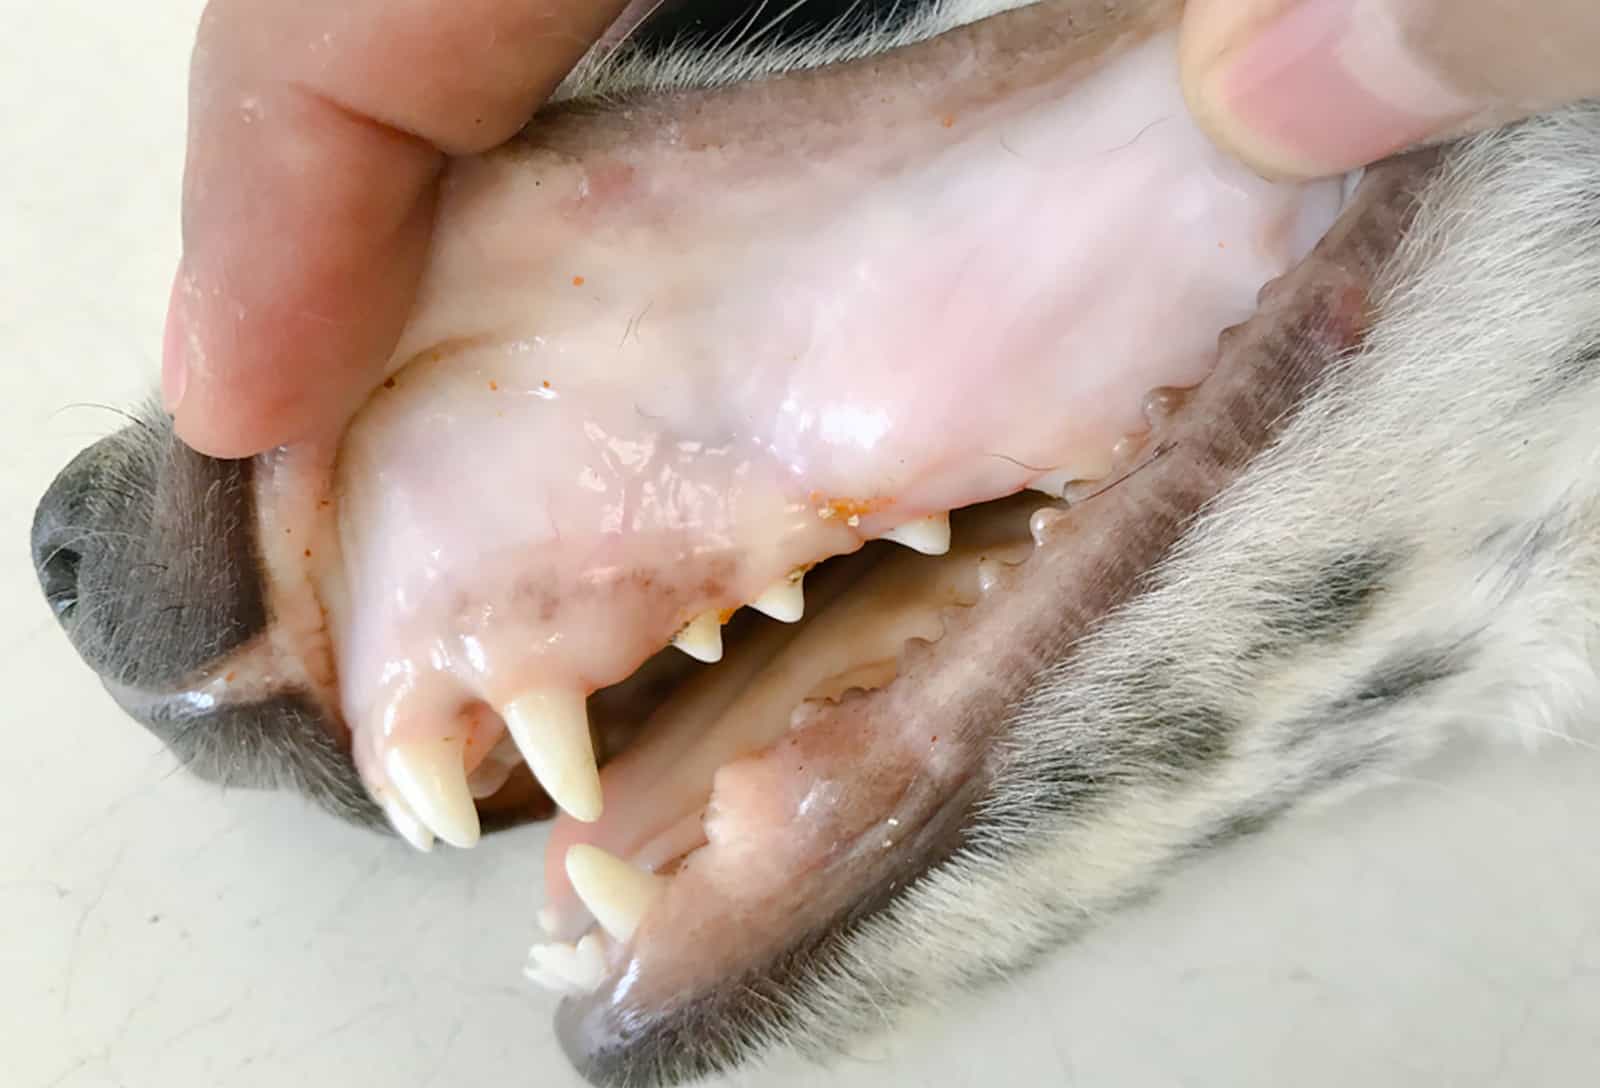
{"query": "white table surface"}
[(153, 932)]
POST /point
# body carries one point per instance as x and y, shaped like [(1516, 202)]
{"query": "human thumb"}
[(1302, 88)]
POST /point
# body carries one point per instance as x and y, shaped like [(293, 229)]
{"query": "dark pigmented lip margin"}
[(1306, 323)]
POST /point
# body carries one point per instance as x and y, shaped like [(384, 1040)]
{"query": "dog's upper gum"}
[(597, 333)]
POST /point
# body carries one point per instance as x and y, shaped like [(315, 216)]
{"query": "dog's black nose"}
[(146, 552), (65, 533)]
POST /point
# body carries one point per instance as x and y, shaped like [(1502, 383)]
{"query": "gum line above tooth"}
[(430, 777), (702, 638), (617, 893), (929, 535), (551, 730)]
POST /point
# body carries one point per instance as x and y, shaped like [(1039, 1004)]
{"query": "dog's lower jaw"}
[(1415, 557)]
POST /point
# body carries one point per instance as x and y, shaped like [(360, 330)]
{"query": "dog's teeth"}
[(430, 778), (548, 920), (989, 572), (406, 824), (544, 979), (489, 777), (616, 893), (930, 535), (702, 639), (784, 600), (568, 968), (551, 730), (1054, 483)]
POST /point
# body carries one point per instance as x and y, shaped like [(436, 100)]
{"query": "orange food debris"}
[(847, 508), (947, 121), (577, 281), (546, 383), (494, 387), (308, 553), (228, 678)]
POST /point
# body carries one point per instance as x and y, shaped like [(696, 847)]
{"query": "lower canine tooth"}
[(551, 730), (616, 893), (430, 778), (406, 824), (930, 535), (702, 639), (784, 601)]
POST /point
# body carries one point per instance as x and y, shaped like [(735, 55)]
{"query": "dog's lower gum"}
[(627, 406)]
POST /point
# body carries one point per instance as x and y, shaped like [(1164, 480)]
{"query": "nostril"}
[(58, 575)]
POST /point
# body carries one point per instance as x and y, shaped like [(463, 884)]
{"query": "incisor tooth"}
[(929, 535), (488, 779), (616, 893), (783, 600), (702, 639), (551, 730), (406, 824), (576, 968), (430, 778)]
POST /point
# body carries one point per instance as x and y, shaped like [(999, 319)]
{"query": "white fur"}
[(752, 51)]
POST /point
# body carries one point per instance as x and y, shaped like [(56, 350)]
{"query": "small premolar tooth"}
[(1042, 524), (616, 893), (406, 824), (1160, 404), (988, 575), (784, 601), (551, 730), (430, 778), (702, 638), (929, 535)]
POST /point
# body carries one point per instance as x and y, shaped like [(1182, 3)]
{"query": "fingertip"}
[(1315, 87), (294, 359), (175, 347)]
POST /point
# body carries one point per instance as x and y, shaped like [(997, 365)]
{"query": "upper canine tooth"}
[(616, 893), (551, 730), (702, 638), (430, 778), (784, 600), (929, 535), (406, 824)]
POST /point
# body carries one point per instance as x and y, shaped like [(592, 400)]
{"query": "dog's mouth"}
[(753, 452)]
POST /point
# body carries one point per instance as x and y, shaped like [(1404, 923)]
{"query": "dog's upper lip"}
[(650, 409)]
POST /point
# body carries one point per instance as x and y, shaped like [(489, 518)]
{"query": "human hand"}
[(1301, 88), (317, 133)]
